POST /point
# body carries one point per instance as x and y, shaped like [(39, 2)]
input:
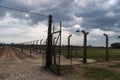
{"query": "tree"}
[(115, 45), (118, 36)]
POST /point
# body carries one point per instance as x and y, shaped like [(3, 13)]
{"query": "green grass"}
[(100, 74), (94, 53)]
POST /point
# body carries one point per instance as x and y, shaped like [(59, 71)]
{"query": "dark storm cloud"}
[(56, 8), (13, 4), (93, 12), (105, 16)]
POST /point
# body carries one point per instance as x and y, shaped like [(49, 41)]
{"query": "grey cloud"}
[(95, 16), (57, 8), (92, 11)]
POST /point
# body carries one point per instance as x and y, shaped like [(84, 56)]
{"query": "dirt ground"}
[(15, 65)]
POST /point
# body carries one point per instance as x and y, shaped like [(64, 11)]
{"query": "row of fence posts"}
[(31, 46), (85, 47)]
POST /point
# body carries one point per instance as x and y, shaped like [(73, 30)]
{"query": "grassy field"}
[(94, 53), (100, 74)]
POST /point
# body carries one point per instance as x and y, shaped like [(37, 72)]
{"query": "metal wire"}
[(22, 11)]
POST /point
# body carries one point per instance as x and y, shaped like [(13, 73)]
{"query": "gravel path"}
[(13, 68)]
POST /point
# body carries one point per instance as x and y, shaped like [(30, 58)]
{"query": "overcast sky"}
[(94, 16)]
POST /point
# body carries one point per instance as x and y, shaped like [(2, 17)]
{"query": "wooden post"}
[(68, 56), (49, 44), (22, 47), (30, 47), (85, 46), (33, 45), (41, 45), (107, 53), (37, 45), (60, 48), (54, 51)]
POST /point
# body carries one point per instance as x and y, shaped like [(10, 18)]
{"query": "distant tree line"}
[(115, 45)]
